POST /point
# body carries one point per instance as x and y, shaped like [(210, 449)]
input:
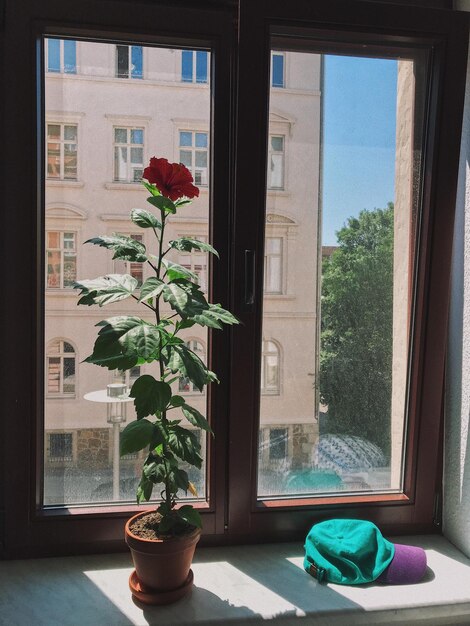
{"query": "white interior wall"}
[(456, 516)]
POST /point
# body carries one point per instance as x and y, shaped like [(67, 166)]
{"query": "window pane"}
[(201, 67), (186, 158), (137, 135), (78, 468), (186, 139), (122, 61), (277, 70), (333, 395), (53, 56), (70, 56), (120, 135), (201, 159), (136, 60), (187, 66)]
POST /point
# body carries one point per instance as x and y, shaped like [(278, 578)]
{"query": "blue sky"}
[(359, 138)]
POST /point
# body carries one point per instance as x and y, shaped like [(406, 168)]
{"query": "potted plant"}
[(162, 541)]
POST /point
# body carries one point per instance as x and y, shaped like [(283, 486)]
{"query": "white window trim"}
[(278, 390), (50, 227), (49, 74), (179, 69), (144, 63), (194, 126)]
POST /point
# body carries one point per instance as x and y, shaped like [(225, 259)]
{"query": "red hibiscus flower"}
[(173, 180)]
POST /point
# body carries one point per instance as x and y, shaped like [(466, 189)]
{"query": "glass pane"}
[(53, 55), (186, 158), (278, 70), (186, 139), (187, 66), (122, 61), (120, 135), (334, 369), (137, 155), (78, 468), (70, 56), (201, 67), (137, 135), (201, 140), (201, 159), (136, 60)]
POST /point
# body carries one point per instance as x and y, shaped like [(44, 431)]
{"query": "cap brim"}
[(408, 566)]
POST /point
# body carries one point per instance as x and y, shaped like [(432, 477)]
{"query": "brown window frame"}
[(240, 80)]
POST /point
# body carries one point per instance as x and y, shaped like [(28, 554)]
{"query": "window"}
[(236, 108), (273, 265), (184, 384), (136, 270), (60, 368), (195, 261), (194, 154), (61, 56), (277, 70), (129, 62), (276, 162), (277, 444), (60, 447), (62, 151), (194, 66), (270, 378), (128, 154), (61, 253)]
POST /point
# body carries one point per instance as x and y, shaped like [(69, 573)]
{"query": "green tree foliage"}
[(356, 328)]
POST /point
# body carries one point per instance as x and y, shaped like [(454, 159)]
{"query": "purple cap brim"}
[(408, 566)]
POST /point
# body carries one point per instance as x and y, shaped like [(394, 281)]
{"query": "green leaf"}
[(125, 248), (123, 341), (214, 316), (177, 401), (185, 298), (155, 471), (144, 490), (175, 271), (136, 436), (163, 203), (186, 244), (180, 478), (151, 288), (106, 289), (190, 515), (186, 363), (144, 219), (150, 396), (151, 189), (185, 445), (195, 418)]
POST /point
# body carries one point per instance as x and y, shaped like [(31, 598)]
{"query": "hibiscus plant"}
[(125, 341)]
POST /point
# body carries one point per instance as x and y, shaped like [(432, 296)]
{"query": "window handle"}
[(250, 276)]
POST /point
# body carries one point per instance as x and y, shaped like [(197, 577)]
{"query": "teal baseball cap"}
[(353, 552)]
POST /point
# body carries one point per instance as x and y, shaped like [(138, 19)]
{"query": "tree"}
[(356, 328)]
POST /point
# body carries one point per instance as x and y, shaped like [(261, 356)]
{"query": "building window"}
[(270, 379), (196, 261), (61, 254), (61, 367), (277, 70), (184, 384), (128, 154), (129, 62), (62, 151), (273, 265), (276, 162), (277, 444), (61, 56), (194, 66), (194, 154), (60, 447), (136, 270)]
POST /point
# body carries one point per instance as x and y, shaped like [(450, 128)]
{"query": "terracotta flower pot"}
[(161, 564)]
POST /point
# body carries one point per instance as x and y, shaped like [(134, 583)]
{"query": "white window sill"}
[(233, 585), (72, 184)]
